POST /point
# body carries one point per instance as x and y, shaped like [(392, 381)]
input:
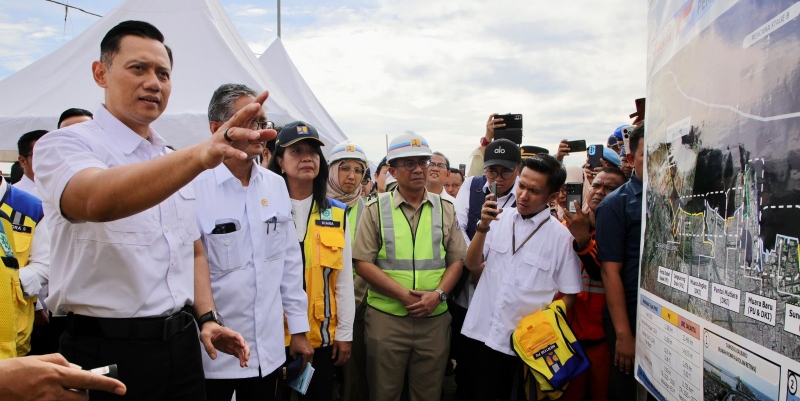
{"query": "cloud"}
[(572, 69), (21, 42)]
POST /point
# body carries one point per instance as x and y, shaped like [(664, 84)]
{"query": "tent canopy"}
[(207, 50), (279, 65)]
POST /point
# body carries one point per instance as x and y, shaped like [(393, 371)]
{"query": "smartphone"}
[(577, 146), (493, 190), (463, 169), (574, 193), (595, 153), (224, 228), (511, 120), (626, 136)]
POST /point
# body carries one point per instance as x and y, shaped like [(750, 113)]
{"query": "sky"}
[(439, 68)]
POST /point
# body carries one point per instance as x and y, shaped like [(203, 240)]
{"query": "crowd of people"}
[(231, 266)]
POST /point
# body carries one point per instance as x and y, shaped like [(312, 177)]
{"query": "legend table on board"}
[(671, 365)]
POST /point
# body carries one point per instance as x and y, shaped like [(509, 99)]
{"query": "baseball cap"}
[(611, 157), (297, 131), (502, 152), (612, 140), (530, 150)]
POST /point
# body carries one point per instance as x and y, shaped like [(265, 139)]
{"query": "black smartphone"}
[(493, 191), (511, 120), (463, 169), (574, 193), (513, 135), (577, 146), (224, 228), (595, 153)]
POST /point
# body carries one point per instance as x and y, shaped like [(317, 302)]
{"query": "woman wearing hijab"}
[(321, 229), (348, 166)]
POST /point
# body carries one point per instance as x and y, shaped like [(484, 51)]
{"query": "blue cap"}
[(612, 141), (618, 131), (611, 157)]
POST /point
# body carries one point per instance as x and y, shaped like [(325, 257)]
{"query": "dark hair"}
[(109, 46), (546, 164), (270, 145), (614, 170), (73, 113), (16, 173), (635, 139), (25, 142), (380, 169), (446, 160), (221, 106), (320, 184), (454, 170)]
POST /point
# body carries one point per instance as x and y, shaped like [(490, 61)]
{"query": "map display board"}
[(719, 304)]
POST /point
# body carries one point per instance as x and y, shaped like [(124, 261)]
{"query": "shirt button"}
[(166, 229), (227, 242)]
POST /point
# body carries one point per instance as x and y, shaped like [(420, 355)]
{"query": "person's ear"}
[(392, 171), (629, 158), (100, 74), (214, 125)]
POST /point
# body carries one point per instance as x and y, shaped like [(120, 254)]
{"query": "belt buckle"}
[(167, 333)]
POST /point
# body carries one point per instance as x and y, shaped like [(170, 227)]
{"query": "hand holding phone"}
[(577, 145), (574, 195)]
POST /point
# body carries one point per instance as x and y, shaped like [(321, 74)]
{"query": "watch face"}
[(218, 319)]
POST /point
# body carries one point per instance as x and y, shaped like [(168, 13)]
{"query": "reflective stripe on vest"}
[(323, 250), (414, 260), (353, 217)]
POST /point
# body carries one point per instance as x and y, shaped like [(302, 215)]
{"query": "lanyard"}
[(514, 248)]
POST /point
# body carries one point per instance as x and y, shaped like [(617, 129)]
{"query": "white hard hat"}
[(408, 144), (347, 150)]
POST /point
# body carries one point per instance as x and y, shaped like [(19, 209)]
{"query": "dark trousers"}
[(622, 387), (461, 352), (152, 369), (250, 389), (321, 386), (493, 373)]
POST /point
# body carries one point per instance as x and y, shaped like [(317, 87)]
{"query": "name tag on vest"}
[(21, 228), (327, 223)]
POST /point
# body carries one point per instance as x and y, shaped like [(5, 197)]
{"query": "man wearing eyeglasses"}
[(408, 249), (438, 174), (500, 165)]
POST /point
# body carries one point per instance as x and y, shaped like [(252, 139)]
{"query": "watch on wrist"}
[(210, 316), (442, 295), (484, 141), (480, 229)]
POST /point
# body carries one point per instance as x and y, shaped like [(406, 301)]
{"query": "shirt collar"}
[(121, 134), (222, 173), (535, 220), (398, 198)]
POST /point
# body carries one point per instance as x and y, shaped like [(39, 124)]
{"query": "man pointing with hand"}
[(129, 270)]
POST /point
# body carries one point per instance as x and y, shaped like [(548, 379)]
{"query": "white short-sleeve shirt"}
[(513, 286), (138, 266), (256, 270)]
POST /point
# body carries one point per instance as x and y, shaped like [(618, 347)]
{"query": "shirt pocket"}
[(330, 247), (224, 251), (323, 310), (274, 230), (534, 273), (184, 205), (497, 253)]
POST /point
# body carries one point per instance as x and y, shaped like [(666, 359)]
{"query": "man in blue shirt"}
[(619, 227)]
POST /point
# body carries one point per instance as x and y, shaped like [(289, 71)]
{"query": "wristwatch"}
[(442, 295), (211, 316), (484, 141)]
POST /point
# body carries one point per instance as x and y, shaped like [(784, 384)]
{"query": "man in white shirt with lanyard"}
[(256, 272), (128, 268), (528, 259)]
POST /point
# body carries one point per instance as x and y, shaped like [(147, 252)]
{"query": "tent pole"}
[(279, 18)]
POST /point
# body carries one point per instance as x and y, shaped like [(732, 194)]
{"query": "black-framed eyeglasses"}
[(259, 125), (411, 165), (348, 169), (365, 181), (440, 166), (506, 173)]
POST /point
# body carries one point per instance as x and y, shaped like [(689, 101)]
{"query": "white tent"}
[(208, 52), (279, 66)]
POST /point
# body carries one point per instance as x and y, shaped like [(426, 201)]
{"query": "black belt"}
[(162, 328)]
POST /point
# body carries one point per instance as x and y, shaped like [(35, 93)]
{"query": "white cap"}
[(347, 150), (408, 144)]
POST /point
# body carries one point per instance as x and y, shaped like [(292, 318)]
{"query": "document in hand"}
[(301, 382)]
